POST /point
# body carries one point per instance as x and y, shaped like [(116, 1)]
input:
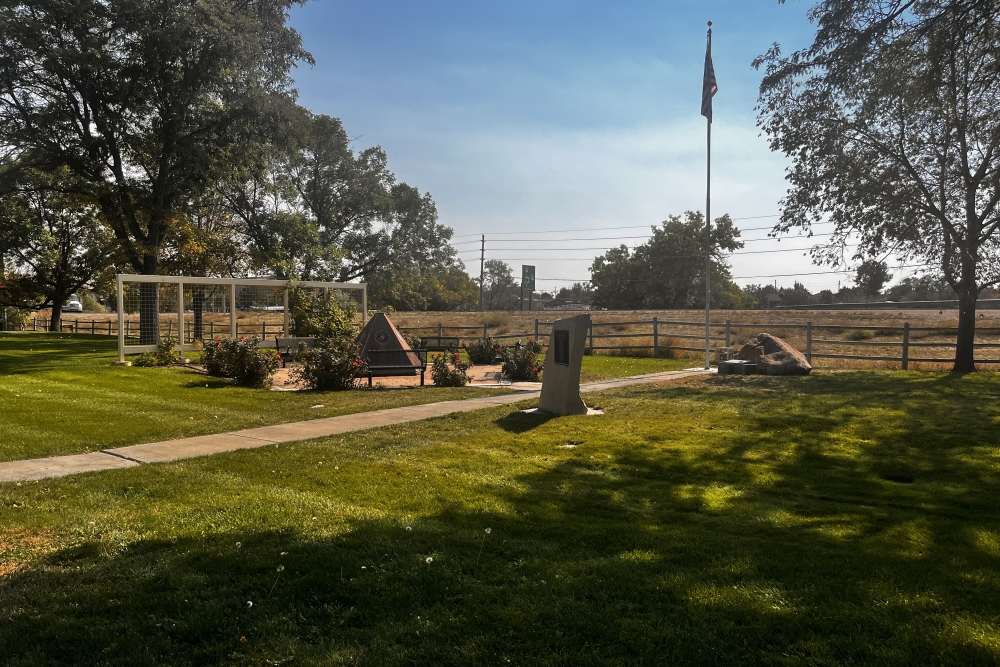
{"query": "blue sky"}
[(531, 116)]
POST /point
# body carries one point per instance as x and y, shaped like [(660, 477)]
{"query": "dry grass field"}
[(883, 338)]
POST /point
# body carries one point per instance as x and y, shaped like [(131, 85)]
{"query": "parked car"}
[(72, 305)]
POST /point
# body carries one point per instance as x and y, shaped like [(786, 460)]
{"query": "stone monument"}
[(561, 375)]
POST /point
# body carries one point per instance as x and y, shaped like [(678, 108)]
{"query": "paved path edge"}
[(132, 456)]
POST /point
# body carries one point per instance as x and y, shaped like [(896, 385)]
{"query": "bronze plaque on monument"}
[(560, 347)]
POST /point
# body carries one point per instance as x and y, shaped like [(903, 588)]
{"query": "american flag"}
[(709, 86)]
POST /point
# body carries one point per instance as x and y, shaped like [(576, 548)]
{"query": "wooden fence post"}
[(440, 332), (170, 329), (109, 327), (76, 326), (809, 342), (592, 337), (729, 333), (93, 324), (211, 330), (656, 337), (263, 330), (486, 332), (906, 346), (536, 329)]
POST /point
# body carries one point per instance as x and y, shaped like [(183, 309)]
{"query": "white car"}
[(73, 305)]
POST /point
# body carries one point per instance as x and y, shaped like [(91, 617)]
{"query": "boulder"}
[(774, 356)]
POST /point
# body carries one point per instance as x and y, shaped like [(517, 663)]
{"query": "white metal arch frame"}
[(232, 284)]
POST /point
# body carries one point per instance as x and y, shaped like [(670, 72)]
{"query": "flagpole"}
[(708, 233)]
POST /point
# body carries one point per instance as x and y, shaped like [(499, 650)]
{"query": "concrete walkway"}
[(203, 445)]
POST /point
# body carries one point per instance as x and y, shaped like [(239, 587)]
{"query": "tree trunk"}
[(149, 306), (965, 343), (198, 305), (55, 322)]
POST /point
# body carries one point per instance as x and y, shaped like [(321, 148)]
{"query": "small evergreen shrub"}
[(450, 375), (333, 364), (519, 363), (483, 351), (313, 315), (165, 355), (144, 360), (241, 360)]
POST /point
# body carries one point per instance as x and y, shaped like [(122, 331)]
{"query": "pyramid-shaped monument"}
[(382, 345)]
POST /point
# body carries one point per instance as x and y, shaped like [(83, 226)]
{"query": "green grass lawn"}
[(605, 367), (61, 395), (837, 519)]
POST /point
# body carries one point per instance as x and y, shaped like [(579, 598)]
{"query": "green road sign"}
[(528, 277)]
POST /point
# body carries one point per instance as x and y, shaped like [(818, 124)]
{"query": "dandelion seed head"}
[(239, 544), (249, 604), (280, 568), (489, 530), (364, 567), (284, 553), (430, 560), (408, 529)]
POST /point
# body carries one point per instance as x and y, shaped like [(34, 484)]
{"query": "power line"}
[(775, 275)]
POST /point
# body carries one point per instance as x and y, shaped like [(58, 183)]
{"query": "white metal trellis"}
[(228, 298)]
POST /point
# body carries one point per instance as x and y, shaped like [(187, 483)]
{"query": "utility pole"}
[(482, 269)]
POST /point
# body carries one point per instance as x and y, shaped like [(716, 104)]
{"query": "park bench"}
[(287, 347), (396, 363), (440, 343)]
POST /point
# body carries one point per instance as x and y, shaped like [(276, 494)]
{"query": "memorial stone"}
[(561, 375)]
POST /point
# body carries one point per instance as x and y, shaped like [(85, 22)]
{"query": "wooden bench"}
[(396, 363), (440, 343), (287, 347)]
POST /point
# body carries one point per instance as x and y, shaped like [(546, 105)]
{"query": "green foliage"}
[(145, 360), (241, 360), (454, 374), (500, 291), (668, 271), (165, 355), (889, 121), (519, 363), (314, 315), (483, 350), (871, 277), (333, 364), (53, 239), (90, 303)]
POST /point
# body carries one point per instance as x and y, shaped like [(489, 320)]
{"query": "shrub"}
[(496, 319), (334, 363), (519, 363), (239, 359), (534, 346), (313, 315), (411, 340), (165, 355), (454, 375), (144, 360), (858, 334), (483, 350)]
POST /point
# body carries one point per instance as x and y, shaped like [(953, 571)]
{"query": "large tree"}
[(890, 120), (52, 238), (668, 271), (145, 100)]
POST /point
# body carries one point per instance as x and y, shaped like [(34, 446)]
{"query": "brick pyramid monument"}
[(382, 345)]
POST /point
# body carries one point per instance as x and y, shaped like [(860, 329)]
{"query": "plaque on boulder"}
[(561, 375), (383, 345)]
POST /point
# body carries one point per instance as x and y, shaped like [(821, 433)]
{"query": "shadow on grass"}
[(772, 542), (26, 353), (522, 422)]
